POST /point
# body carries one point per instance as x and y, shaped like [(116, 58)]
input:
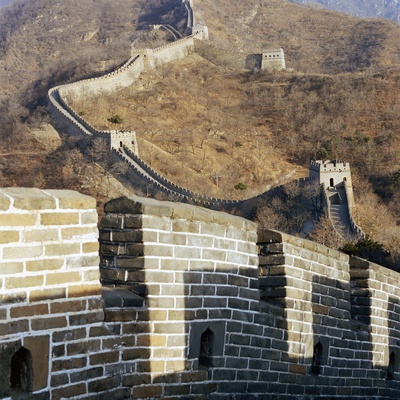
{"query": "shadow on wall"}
[(10, 380), (302, 323), (253, 61), (24, 366), (393, 362), (337, 344), (172, 12), (364, 336)]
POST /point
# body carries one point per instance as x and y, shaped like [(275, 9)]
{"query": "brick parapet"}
[(307, 279), (375, 302), (62, 112), (42, 250), (348, 307), (358, 232), (149, 174), (197, 268), (49, 281), (212, 309), (265, 345)]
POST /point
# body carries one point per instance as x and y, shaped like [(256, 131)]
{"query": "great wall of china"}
[(126, 149), (141, 60), (123, 144), (188, 303), (173, 301)]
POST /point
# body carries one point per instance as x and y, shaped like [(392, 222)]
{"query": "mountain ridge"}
[(389, 9)]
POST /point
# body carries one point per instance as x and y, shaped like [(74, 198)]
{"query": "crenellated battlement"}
[(194, 303), (329, 165), (330, 173), (124, 76)]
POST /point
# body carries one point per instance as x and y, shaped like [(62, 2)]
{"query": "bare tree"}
[(325, 234), (119, 169), (268, 218), (99, 149)]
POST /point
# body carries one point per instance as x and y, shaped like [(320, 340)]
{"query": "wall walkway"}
[(339, 210), (141, 60)]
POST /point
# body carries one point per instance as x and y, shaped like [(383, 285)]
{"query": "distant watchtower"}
[(332, 173), (336, 177), (273, 60), (119, 139)]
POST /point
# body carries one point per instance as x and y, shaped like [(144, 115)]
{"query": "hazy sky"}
[(4, 2)]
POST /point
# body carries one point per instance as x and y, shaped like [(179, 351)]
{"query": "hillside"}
[(44, 43), (340, 100), (315, 41)]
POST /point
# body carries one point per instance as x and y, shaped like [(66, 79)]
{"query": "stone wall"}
[(340, 319), (358, 232), (192, 267), (110, 83), (308, 322), (68, 118), (159, 182), (140, 60), (195, 304), (154, 58), (49, 281)]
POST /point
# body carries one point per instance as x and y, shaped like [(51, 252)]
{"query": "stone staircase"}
[(339, 212)]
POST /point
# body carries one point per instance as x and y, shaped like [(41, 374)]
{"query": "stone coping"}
[(146, 206), (36, 199), (266, 236), (373, 271), (119, 297)]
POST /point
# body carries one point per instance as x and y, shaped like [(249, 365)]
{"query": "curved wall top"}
[(140, 60), (122, 77)]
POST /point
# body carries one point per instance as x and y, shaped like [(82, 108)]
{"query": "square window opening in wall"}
[(206, 341)]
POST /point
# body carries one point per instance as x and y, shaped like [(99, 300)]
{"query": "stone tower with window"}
[(331, 173), (334, 174), (273, 60)]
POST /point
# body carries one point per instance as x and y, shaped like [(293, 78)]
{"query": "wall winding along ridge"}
[(126, 149), (141, 60), (123, 144), (195, 304)]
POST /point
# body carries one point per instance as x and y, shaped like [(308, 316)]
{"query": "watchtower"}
[(273, 59), (119, 139), (332, 173)]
